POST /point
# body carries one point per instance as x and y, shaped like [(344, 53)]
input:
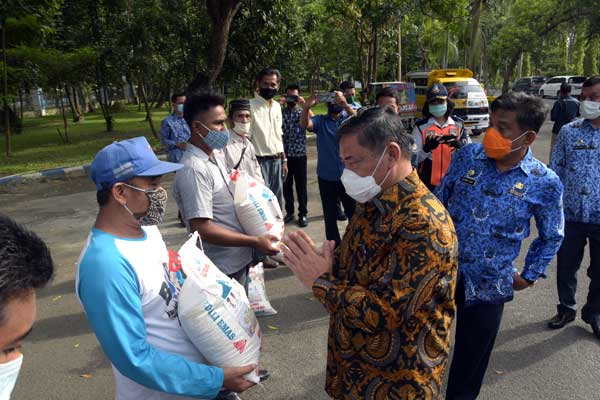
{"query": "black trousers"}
[(476, 330), (330, 191), (297, 173), (569, 260)]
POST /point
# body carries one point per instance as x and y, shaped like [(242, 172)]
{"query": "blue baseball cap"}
[(437, 91), (121, 161)]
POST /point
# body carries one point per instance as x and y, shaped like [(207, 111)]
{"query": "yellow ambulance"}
[(470, 101)]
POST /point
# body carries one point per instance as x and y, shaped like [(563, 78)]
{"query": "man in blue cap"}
[(436, 136), (128, 290)]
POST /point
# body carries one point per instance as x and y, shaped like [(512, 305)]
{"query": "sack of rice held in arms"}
[(216, 314), (256, 206)]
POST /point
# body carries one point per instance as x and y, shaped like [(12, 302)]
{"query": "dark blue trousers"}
[(476, 330)]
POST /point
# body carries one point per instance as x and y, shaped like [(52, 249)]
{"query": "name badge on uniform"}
[(469, 178), (430, 133), (580, 145), (518, 190)]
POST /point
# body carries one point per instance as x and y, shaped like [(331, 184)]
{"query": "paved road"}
[(63, 360)]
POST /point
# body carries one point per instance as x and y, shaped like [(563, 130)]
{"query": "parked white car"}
[(552, 86)]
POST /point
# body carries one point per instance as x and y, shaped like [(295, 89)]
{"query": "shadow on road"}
[(60, 327)]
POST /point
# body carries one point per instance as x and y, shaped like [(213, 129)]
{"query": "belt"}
[(273, 157)]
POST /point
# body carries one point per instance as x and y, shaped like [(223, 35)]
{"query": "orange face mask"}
[(497, 146)]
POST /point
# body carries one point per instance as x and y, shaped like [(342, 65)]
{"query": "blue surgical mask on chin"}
[(180, 108), (216, 140)]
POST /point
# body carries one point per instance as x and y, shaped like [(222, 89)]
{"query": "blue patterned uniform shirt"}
[(576, 160), (492, 212), (174, 130), (294, 137)]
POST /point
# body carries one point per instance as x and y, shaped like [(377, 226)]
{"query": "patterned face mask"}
[(157, 200)]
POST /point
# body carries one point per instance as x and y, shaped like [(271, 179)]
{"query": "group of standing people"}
[(434, 233)]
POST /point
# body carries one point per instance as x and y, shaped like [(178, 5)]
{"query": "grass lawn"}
[(39, 147)]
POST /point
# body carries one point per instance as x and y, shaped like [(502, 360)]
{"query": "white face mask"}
[(8, 376), (362, 188), (242, 128), (589, 109)]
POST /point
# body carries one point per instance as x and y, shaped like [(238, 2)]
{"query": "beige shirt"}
[(232, 153), (266, 129)]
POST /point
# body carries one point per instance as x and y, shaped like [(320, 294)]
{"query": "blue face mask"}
[(180, 108), (216, 140), (334, 108)]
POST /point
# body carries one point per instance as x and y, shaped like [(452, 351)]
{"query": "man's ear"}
[(394, 152), (118, 193), (530, 138)]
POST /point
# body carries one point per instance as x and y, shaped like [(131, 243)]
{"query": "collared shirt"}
[(564, 111), (390, 297), (329, 163), (294, 137), (174, 130), (576, 160), (201, 190), (234, 153), (492, 212), (266, 128)]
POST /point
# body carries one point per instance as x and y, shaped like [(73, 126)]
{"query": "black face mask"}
[(334, 108), (291, 104), (267, 93)]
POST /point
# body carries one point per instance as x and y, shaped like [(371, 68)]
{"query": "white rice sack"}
[(257, 292), (216, 314), (256, 206)]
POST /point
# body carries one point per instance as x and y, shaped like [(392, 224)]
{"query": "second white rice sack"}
[(256, 206), (216, 314), (257, 292)]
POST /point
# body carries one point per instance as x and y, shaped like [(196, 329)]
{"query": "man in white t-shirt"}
[(129, 290)]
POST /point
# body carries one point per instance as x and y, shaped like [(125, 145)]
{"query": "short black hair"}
[(346, 85), (201, 102), (376, 127), (531, 110), (386, 92), (565, 88), (268, 72), (25, 262), (174, 96), (591, 81), (102, 197), (427, 114), (292, 86)]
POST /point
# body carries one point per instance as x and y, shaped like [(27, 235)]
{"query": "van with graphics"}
[(467, 94)]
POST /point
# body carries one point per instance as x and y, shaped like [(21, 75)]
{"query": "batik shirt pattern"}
[(391, 297)]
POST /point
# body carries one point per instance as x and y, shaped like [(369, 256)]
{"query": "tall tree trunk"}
[(5, 92), (74, 112), (148, 109), (221, 13), (476, 10), (510, 69), (21, 105), (76, 102), (64, 115), (375, 52)]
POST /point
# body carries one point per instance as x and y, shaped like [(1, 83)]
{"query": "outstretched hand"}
[(306, 261)]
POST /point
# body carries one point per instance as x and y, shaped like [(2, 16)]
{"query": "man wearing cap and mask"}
[(128, 290), (266, 130), (25, 266), (203, 195), (389, 286), (493, 191), (294, 143), (239, 153), (329, 164), (437, 136), (576, 160)]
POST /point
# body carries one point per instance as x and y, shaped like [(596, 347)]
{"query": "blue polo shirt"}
[(329, 163)]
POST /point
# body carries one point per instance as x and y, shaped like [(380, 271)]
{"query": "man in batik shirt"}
[(389, 286)]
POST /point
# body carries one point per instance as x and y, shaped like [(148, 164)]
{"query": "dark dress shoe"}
[(341, 216), (302, 221), (263, 374), (288, 218), (594, 321), (560, 320)]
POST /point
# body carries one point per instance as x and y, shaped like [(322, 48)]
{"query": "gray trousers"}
[(272, 175)]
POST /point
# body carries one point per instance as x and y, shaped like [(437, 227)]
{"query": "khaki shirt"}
[(266, 129)]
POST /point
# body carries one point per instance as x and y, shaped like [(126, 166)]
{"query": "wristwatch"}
[(527, 280)]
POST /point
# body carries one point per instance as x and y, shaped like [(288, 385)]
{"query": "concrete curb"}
[(82, 170)]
